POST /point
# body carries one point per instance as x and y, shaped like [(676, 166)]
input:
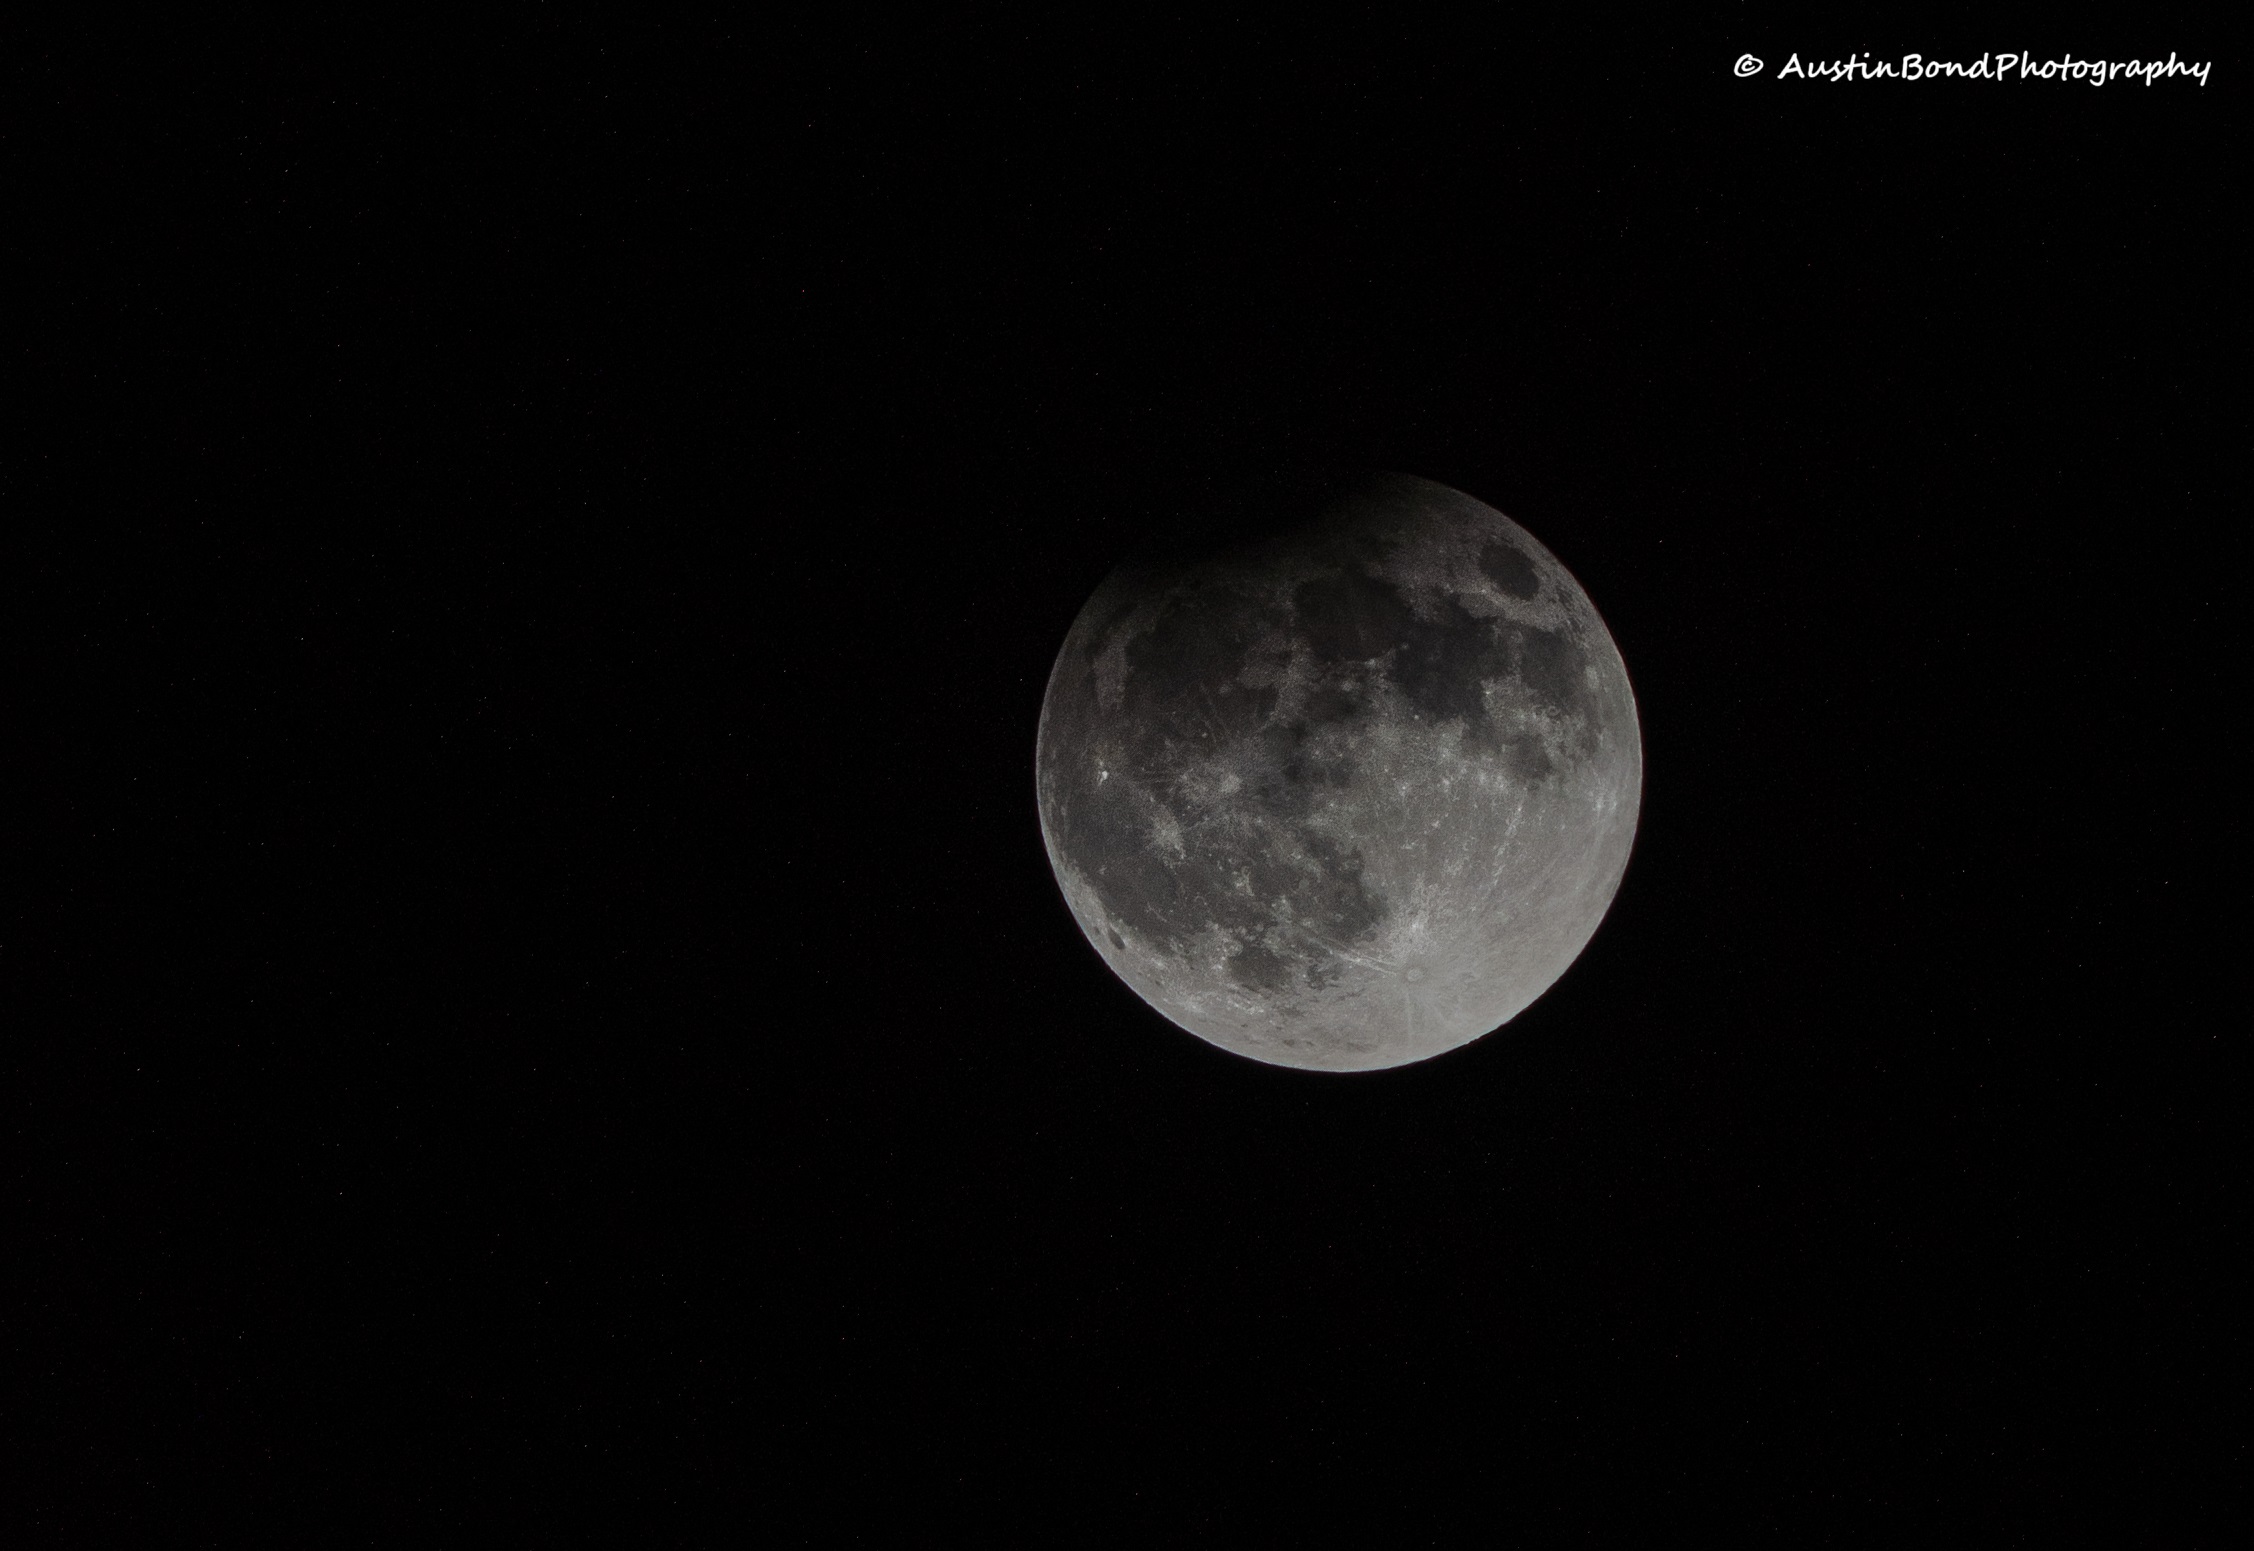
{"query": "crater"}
[(1550, 665), (1344, 617), (1508, 568), (1440, 667)]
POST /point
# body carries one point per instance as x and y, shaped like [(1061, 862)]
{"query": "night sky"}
[(537, 996)]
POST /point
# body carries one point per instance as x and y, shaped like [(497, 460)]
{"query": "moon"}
[(1348, 798)]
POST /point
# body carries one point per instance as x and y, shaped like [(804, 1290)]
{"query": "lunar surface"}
[(1349, 798)]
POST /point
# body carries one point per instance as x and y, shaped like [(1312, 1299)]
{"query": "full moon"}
[(1347, 798)]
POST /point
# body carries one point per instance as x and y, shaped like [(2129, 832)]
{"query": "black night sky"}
[(538, 1001)]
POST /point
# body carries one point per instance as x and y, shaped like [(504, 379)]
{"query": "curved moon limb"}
[(1346, 799)]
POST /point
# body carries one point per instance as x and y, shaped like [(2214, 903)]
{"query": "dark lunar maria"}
[(1349, 798)]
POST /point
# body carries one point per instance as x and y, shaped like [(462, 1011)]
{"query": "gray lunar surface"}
[(1350, 798)]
